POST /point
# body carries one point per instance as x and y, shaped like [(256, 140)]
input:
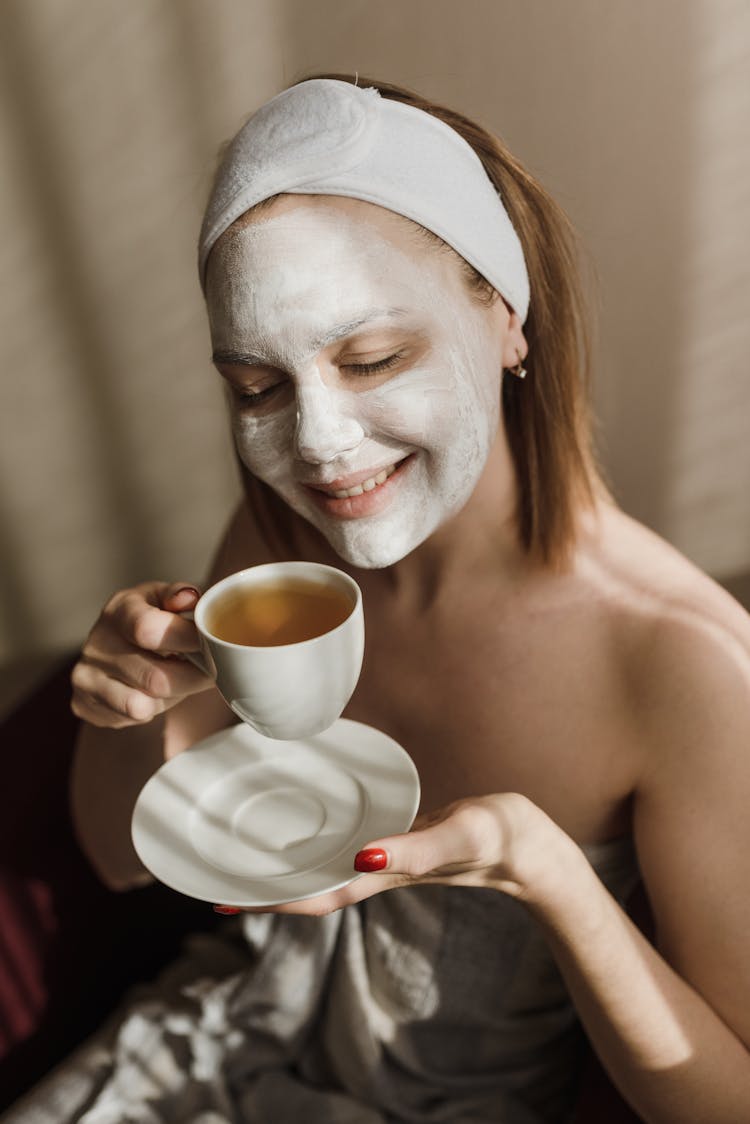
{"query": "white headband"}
[(327, 137)]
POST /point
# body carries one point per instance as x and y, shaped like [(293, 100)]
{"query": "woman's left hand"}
[(504, 842)]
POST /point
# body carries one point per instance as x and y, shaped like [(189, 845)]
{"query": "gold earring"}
[(519, 370)]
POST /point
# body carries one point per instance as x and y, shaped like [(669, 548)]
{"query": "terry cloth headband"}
[(328, 137)]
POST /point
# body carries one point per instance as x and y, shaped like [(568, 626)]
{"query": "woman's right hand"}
[(132, 667)]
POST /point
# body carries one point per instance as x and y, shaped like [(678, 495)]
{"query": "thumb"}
[(435, 848), (179, 597)]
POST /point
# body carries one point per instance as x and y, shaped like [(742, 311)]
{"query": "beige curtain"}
[(114, 457)]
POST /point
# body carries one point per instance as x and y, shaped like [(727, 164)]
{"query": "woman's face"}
[(364, 378)]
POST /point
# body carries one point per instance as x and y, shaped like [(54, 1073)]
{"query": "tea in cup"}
[(284, 642)]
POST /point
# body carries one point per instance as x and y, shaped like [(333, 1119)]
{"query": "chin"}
[(370, 560), (368, 549)]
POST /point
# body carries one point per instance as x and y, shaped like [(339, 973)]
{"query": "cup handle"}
[(196, 658), (199, 661)]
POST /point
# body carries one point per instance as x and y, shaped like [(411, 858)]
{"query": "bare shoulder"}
[(683, 641)]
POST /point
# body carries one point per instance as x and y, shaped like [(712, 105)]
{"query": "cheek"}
[(264, 444), (454, 402), (408, 407)]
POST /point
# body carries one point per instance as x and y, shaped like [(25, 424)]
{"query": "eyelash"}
[(374, 368), (253, 398)]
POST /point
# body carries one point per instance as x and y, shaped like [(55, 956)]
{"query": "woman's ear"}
[(515, 347)]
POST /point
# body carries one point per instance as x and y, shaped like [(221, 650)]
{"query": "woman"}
[(400, 330)]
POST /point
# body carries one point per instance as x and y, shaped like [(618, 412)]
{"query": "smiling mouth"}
[(362, 486), (365, 486)]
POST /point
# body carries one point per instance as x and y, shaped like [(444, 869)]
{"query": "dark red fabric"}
[(36, 745), (600, 1103), (69, 947)]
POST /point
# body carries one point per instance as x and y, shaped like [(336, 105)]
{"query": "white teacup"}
[(249, 624)]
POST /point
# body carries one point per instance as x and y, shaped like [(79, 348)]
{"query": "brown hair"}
[(547, 416)]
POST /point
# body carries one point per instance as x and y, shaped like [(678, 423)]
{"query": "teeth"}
[(366, 485)]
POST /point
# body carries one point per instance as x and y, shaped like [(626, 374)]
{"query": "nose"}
[(324, 430)]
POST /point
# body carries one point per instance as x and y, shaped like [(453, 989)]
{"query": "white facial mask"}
[(276, 287)]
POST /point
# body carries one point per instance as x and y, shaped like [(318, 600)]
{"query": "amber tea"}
[(281, 612), (253, 627)]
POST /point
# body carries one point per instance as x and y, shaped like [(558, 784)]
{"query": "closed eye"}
[(254, 397), (374, 368)]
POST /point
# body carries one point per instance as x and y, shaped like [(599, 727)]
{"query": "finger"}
[(103, 700), (108, 654), (364, 886), (463, 839), (355, 891), (179, 597), (162, 678), (129, 683), (95, 713), (151, 628)]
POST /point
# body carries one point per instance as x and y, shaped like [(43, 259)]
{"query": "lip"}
[(369, 503), (343, 483)]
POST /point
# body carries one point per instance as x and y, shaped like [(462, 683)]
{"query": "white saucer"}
[(244, 820)]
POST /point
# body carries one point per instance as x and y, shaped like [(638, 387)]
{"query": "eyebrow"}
[(340, 331)]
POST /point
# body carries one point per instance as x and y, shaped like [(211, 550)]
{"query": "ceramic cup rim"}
[(199, 613)]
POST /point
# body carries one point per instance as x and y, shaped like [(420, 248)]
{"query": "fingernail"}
[(228, 910), (187, 589), (372, 858)]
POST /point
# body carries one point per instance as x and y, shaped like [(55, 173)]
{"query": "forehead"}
[(355, 218), (302, 246)]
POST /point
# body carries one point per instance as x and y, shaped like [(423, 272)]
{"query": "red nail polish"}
[(228, 910), (372, 858)]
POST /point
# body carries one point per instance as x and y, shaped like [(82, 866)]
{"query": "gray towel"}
[(425, 1004)]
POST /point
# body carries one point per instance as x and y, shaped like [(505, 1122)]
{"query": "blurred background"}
[(114, 454)]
